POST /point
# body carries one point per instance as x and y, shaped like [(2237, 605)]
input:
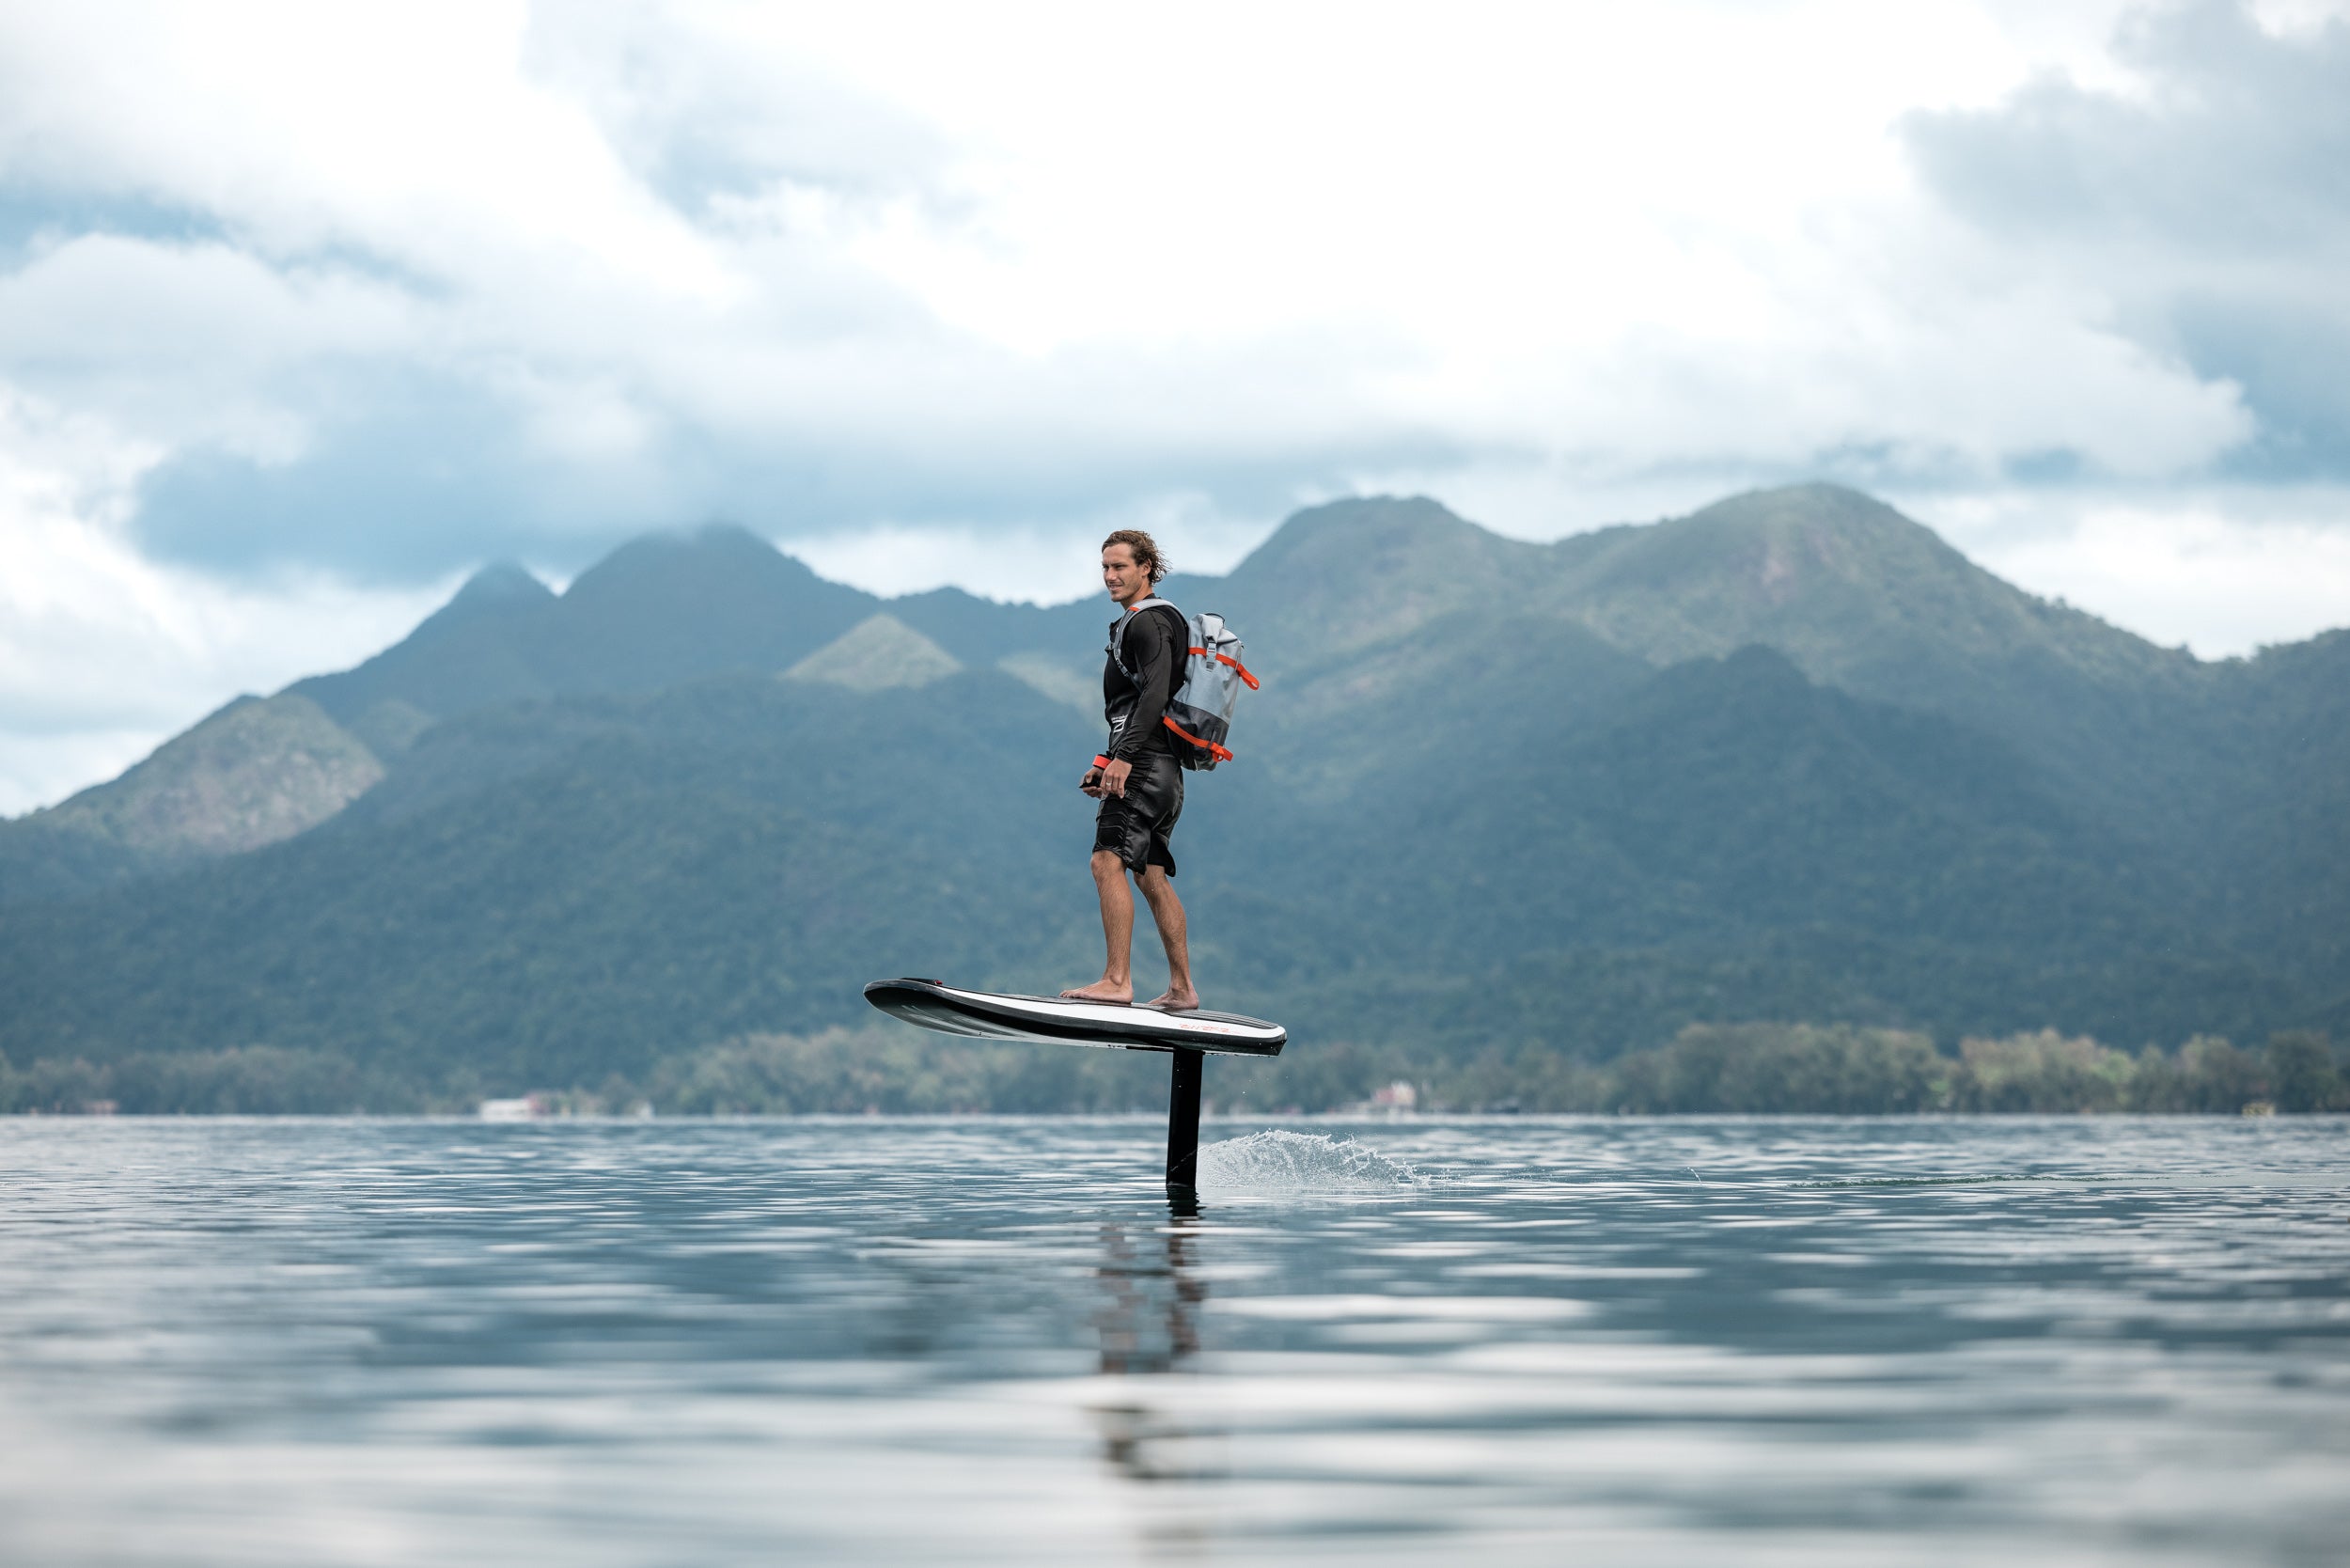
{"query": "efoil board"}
[(999, 1015)]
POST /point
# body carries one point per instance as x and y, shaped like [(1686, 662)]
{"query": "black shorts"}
[(1135, 826)]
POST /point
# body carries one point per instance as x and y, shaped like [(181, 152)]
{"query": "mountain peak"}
[(256, 771), (1814, 557), (1819, 511), (669, 607), (1863, 598), (1809, 498), (877, 653), (1376, 567), (501, 583), (1383, 522), (707, 556)]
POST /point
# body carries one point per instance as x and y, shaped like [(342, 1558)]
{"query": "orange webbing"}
[(1209, 746), (1226, 659)]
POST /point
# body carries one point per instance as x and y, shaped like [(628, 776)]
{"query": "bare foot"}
[(1172, 1000), (1100, 991)]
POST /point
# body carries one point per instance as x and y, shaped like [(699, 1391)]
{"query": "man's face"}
[(1126, 579)]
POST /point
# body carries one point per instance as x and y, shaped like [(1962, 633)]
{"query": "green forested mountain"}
[(1791, 758), (249, 775)]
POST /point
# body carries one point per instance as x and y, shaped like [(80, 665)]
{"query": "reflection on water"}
[(1150, 1330), (961, 1341)]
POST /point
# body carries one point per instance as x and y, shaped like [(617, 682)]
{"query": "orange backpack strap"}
[(1209, 746), (1227, 659)]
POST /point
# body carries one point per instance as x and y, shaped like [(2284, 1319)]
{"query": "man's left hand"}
[(1114, 777)]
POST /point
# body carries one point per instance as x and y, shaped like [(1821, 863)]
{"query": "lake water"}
[(972, 1342)]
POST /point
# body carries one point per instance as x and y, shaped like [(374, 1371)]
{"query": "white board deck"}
[(1001, 1015)]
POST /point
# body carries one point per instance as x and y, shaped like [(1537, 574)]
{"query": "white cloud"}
[(2221, 570), (102, 653), (370, 293), (910, 259), (1050, 564), (409, 129), (2203, 214), (191, 344)]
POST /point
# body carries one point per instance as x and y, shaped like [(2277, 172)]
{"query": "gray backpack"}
[(1200, 715)]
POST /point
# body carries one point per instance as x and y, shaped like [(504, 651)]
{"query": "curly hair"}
[(1145, 550)]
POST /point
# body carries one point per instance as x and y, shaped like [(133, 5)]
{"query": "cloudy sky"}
[(306, 310)]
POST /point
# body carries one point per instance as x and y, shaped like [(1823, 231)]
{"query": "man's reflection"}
[(1150, 1326)]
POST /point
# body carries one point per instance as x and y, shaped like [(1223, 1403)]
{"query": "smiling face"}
[(1127, 579)]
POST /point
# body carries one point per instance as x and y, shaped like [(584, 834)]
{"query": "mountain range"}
[(1791, 758)]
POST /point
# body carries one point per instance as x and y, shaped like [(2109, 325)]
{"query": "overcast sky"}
[(306, 310)]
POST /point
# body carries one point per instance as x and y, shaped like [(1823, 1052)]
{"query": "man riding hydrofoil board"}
[(1136, 777)]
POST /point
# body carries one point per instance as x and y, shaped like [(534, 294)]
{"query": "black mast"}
[(1182, 1121)]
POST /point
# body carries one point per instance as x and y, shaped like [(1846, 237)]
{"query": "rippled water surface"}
[(1995, 1341)]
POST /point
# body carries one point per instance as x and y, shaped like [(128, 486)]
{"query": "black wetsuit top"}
[(1157, 643)]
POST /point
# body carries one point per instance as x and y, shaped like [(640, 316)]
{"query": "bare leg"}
[(1117, 983), (1174, 934)]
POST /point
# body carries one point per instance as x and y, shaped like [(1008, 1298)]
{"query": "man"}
[(1136, 778)]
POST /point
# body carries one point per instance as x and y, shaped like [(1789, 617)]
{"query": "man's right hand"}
[(1091, 783)]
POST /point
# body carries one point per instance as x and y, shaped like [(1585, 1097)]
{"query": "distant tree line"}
[(1798, 1069), (251, 1080), (1844, 1071)]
